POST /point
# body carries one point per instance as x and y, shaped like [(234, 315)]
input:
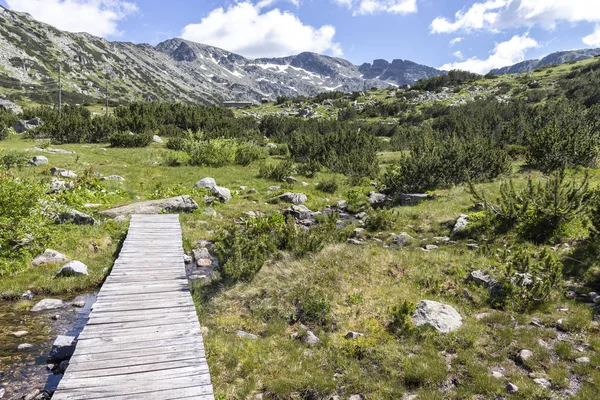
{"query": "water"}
[(22, 372)]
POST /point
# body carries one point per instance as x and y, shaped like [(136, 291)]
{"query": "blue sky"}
[(476, 35)]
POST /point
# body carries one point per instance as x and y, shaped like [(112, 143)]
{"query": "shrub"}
[(380, 220), (213, 153), (130, 140), (12, 159), (540, 212), (277, 171), (401, 318), (310, 168), (176, 143), (328, 186), (528, 280), (175, 159), (313, 308), (4, 132), (281, 150), (247, 153)]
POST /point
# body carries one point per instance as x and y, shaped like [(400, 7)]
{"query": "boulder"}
[(311, 339), (511, 388), (222, 194), (62, 349), (22, 126), (441, 317), (377, 199), (24, 347), (63, 173), (294, 198), (56, 185), (73, 216), (49, 257), (74, 268), (38, 160), (113, 178), (353, 335), (246, 335), (206, 183), (171, 205), (299, 212), (482, 279), (461, 224), (412, 199), (342, 205), (582, 360), (12, 107), (157, 139), (403, 239), (543, 382), (47, 304), (524, 355)]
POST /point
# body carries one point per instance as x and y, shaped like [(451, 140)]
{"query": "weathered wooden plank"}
[(199, 392)]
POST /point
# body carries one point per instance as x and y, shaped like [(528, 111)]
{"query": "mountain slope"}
[(175, 70), (557, 58)]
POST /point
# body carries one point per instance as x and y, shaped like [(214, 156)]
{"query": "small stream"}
[(25, 373)]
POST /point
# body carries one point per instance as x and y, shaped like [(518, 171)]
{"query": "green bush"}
[(401, 318), (313, 308), (328, 186), (380, 220), (130, 140), (175, 159), (542, 211), (281, 150), (4, 132), (247, 153), (276, 171), (13, 159), (528, 281), (23, 226), (213, 153)]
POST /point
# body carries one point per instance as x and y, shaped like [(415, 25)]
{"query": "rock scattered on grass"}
[(353, 335), (24, 347), (377, 199), (38, 161), (221, 193), (73, 216), (512, 388), (246, 335), (582, 360), (113, 178), (294, 198), (441, 317), (461, 224), (73, 268), (482, 278), (63, 173), (524, 355), (206, 183), (49, 257), (20, 334), (47, 304)]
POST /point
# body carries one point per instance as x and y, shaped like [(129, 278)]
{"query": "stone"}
[(354, 242), (460, 225), (73, 216), (482, 279), (62, 367), (171, 205), (342, 205), (359, 232), (56, 317), (210, 212), (32, 395), (63, 173), (543, 382), (357, 397), (21, 126), (187, 259), (511, 388), (311, 339), (20, 334), (49, 257), (582, 360), (402, 239), (431, 247), (252, 191), (113, 178), (274, 188), (222, 194), (472, 246), (246, 335), (206, 183), (201, 253), (290, 180), (412, 199), (441, 317), (361, 215), (157, 139), (24, 347), (62, 349), (294, 198), (298, 211), (27, 295), (353, 335), (377, 199), (78, 303), (57, 185), (497, 374), (47, 304), (12, 107), (2, 393), (38, 161), (524, 355), (74, 268)]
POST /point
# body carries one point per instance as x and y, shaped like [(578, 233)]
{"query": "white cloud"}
[(247, 29), (368, 7), (593, 39), (98, 17), (458, 54), (505, 53), (499, 14), (456, 41)]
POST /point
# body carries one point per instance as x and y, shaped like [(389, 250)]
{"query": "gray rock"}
[(56, 185), (12, 107), (38, 160), (511, 388), (299, 212), (34, 122), (361, 215), (157, 139), (353, 335), (294, 198), (62, 367), (497, 374), (49, 257), (342, 205), (187, 259), (460, 225), (246, 335), (441, 317), (206, 183), (172, 205), (19, 334), (291, 180), (47, 304), (252, 191), (377, 199), (355, 242), (62, 349), (481, 278), (311, 339), (34, 394), (472, 246), (113, 178), (543, 382), (412, 199), (222, 194), (357, 397), (274, 188), (210, 212), (63, 173), (21, 126), (74, 268), (73, 216), (2, 393), (24, 347), (402, 239), (431, 247), (27, 295), (582, 360), (524, 355)]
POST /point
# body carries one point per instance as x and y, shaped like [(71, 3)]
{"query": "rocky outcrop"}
[(441, 317), (10, 106), (294, 198), (173, 205)]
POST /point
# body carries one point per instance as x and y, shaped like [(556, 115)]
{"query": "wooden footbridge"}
[(142, 340)]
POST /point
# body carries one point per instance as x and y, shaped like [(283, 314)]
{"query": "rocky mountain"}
[(175, 70), (557, 58)]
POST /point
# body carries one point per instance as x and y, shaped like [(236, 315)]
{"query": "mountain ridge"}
[(556, 58)]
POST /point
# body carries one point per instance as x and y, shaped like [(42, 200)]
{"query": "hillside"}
[(557, 58), (175, 70)]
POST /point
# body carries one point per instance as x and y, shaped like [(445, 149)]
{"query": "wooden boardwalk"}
[(142, 340)]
